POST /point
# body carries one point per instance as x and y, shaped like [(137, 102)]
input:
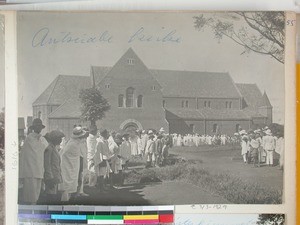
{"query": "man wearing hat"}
[(150, 148), (70, 163), (268, 142), (32, 162)]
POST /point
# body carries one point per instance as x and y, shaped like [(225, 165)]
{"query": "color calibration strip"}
[(97, 214)]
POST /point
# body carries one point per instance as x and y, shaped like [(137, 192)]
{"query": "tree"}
[(93, 105), (260, 32), (270, 219)]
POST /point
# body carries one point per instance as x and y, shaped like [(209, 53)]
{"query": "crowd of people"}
[(258, 146), (55, 168), (190, 140)]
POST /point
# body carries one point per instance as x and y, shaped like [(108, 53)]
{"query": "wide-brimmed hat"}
[(266, 128), (150, 132), (268, 132), (243, 132), (37, 122), (78, 132)]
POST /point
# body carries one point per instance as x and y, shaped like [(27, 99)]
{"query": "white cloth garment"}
[(70, 164)]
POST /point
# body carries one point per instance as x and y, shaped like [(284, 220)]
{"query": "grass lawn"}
[(220, 171)]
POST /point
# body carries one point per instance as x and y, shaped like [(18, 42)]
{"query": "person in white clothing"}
[(70, 164), (91, 150), (125, 151), (244, 145), (140, 144), (269, 146), (32, 163), (134, 145), (150, 149), (280, 149), (101, 161)]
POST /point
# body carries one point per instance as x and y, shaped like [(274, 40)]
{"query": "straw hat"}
[(268, 132)]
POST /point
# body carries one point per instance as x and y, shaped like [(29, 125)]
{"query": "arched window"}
[(140, 101), (208, 104), (186, 104), (164, 103), (182, 104), (39, 114), (129, 97), (121, 101), (215, 128), (204, 103), (230, 105)]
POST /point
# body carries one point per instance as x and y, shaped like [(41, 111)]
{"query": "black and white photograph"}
[(151, 108)]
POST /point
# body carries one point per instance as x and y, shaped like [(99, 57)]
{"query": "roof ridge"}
[(191, 71), (57, 78)]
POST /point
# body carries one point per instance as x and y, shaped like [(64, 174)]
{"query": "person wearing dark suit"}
[(52, 169)]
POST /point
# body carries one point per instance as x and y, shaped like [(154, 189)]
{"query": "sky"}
[(40, 61)]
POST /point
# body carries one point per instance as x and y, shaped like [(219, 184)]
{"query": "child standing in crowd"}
[(52, 173)]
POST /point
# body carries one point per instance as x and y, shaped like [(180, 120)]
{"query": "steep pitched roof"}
[(207, 113), (63, 88), (69, 109), (187, 83), (99, 72), (128, 66), (251, 94), (265, 101), (196, 84)]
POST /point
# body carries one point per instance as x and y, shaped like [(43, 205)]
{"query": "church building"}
[(143, 98)]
